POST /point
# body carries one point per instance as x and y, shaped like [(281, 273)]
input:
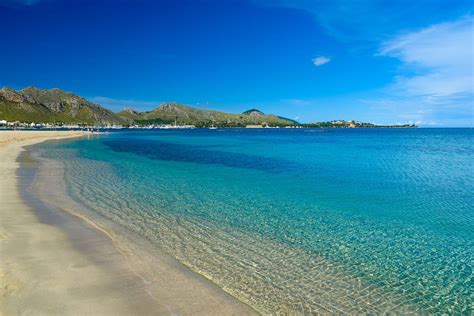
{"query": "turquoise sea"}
[(295, 220)]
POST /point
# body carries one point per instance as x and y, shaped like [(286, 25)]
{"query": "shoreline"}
[(166, 268), (61, 263)]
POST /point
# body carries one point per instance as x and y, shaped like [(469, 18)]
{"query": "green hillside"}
[(48, 106), (169, 113), (353, 124), (56, 106)]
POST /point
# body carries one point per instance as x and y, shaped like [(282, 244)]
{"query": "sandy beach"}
[(74, 269)]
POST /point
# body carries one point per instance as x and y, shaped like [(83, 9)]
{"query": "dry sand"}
[(45, 270)]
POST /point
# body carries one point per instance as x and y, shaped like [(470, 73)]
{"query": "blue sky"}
[(376, 61)]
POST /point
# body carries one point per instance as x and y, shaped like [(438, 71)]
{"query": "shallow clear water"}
[(296, 220)]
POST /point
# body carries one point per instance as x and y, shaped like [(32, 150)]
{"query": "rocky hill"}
[(254, 112), (56, 106), (169, 113), (47, 106)]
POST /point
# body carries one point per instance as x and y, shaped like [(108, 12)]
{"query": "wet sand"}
[(54, 262)]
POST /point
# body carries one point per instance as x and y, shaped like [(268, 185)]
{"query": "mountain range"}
[(56, 106), (171, 113)]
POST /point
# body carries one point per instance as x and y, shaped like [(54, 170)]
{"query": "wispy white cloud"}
[(296, 102), (437, 74), (442, 54), (369, 21), (120, 104), (321, 60)]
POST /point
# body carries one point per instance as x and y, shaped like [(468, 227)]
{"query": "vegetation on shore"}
[(52, 106), (175, 113), (353, 124), (33, 105)]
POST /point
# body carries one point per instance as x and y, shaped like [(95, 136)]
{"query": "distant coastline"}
[(354, 124), (38, 108)]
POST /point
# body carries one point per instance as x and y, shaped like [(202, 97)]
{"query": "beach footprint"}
[(3, 236)]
